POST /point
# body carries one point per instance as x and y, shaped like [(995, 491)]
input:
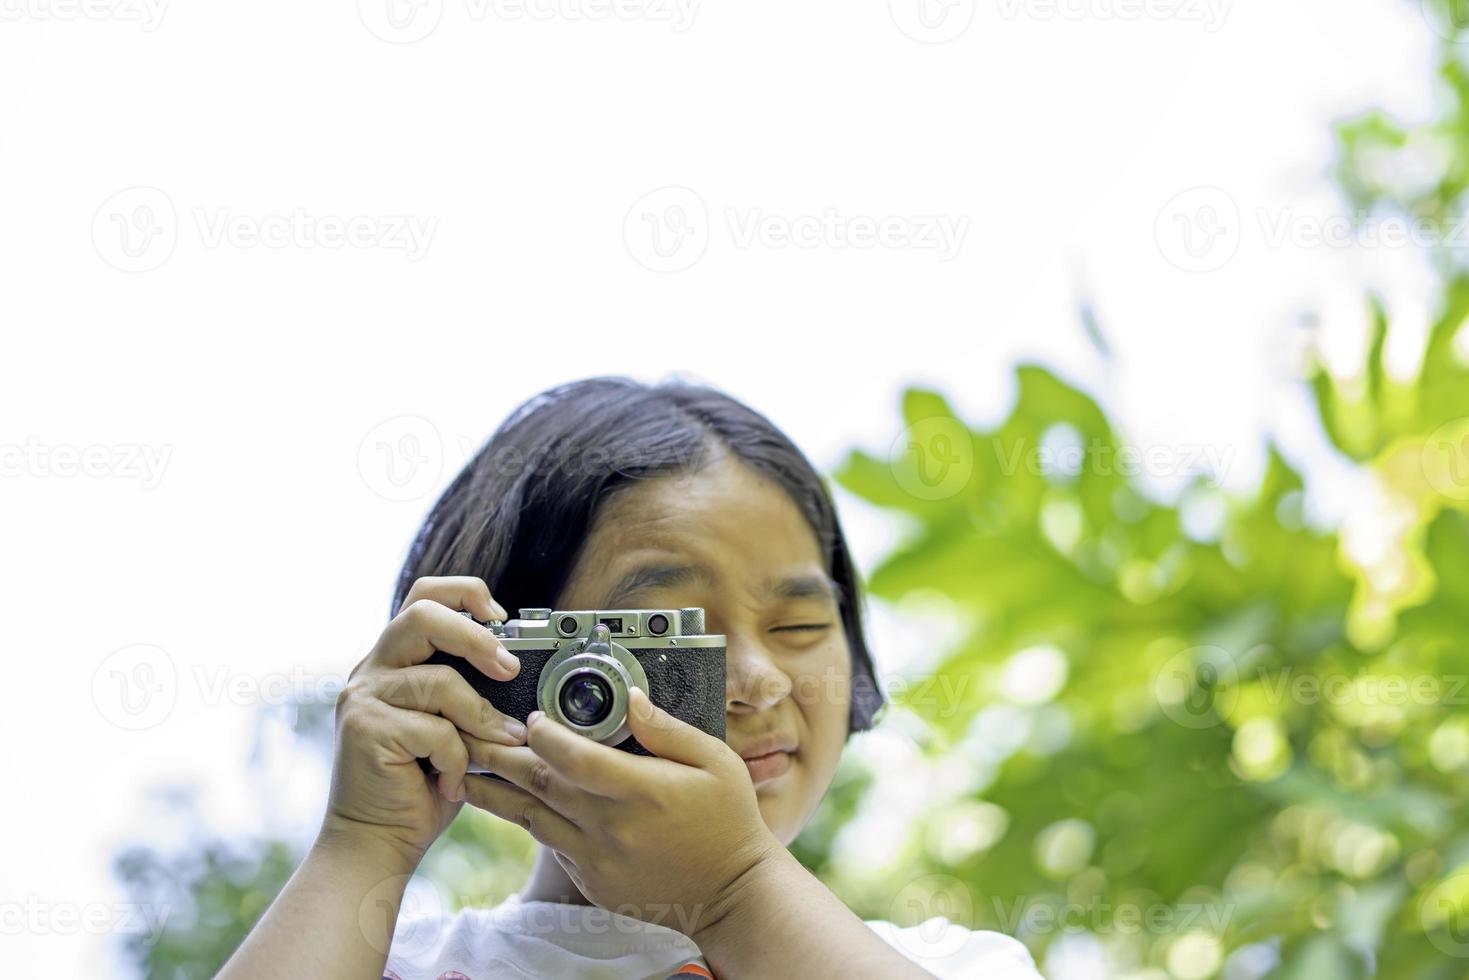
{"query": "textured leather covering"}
[(687, 682)]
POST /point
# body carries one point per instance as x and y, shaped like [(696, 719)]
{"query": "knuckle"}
[(420, 612), (421, 586), (539, 777), (525, 815), (351, 694), (482, 754), (352, 721)]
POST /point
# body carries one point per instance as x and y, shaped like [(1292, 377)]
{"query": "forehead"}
[(727, 518)]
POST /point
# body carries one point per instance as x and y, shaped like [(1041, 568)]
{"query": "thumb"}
[(666, 736)]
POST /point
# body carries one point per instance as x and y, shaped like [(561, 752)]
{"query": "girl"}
[(608, 493)]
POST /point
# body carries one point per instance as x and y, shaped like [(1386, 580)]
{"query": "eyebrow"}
[(649, 578)]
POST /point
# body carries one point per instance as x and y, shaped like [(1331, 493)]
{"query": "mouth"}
[(764, 768), (768, 757)]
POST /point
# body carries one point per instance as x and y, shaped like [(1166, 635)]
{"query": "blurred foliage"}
[(1186, 709), (1250, 728), (211, 898), (1251, 731)]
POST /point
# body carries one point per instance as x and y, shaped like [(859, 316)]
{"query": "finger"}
[(668, 737), (519, 807), (521, 766), (580, 761), (427, 627), (424, 736), (464, 592), (441, 690)]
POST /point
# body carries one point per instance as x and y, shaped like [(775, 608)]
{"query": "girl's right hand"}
[(396, 709)]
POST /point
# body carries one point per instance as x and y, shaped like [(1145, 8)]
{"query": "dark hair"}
[(520, 511)]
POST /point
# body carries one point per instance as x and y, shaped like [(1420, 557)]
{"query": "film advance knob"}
[(535, 613), (691, 621)]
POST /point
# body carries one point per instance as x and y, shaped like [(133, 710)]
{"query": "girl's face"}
[(730, 540)]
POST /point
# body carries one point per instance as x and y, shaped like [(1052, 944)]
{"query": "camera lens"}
[(585, 699), (658, 624), (567, 625)]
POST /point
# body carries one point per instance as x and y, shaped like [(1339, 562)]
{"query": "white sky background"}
[(265, 549)]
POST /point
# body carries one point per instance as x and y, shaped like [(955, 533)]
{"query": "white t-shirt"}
[(520, 939)]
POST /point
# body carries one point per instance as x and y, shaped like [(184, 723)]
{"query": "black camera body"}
[(578, 666)]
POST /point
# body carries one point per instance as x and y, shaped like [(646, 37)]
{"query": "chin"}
[(777, 806)]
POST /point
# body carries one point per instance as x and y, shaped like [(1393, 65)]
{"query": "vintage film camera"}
[(577, 665)]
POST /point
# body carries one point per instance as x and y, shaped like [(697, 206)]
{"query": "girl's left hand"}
[(665, 839)]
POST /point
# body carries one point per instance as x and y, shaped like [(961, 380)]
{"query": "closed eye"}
[(803, 626)]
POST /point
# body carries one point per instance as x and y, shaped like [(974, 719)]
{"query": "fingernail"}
[(641, 703), (515, 729), (531, 718), (507, 659), (499, 610)]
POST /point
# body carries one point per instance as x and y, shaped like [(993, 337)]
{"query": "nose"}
[(753, 680)]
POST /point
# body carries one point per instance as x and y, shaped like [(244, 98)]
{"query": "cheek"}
[(823, 693)]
